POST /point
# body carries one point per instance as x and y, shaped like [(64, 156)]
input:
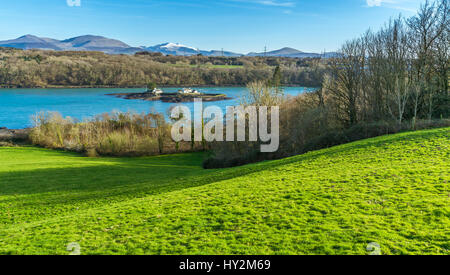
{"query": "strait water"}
[(17, 106)]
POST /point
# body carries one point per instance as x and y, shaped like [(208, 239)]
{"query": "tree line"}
[(399, 72), (384, 82), (36, 68)]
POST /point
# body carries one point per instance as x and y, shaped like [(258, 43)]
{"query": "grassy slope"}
[(393, 190)]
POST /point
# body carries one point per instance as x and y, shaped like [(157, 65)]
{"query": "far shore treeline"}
[(51, 69)]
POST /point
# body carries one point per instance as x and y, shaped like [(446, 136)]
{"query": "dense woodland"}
[(36, 68)]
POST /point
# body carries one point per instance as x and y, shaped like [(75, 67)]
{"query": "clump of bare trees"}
[(398, 73), (384, 82), (114, 134)]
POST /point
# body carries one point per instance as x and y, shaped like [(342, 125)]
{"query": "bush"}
[(115, 134)]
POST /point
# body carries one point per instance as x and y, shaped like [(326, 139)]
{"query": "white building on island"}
[(157, 91), (188, 91)]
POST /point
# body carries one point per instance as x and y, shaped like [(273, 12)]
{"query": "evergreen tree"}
[(151, 86)]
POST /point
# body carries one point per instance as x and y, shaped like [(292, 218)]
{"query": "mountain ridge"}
[(180, 49), (114, 46)]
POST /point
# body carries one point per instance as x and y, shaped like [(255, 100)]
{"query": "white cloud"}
[(374, 3), (405, 5), (379, 3), (276, 3), (273, 3), (74, 3)]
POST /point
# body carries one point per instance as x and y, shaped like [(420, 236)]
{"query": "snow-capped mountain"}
[(176, 46), (173, 49), (180, 49)]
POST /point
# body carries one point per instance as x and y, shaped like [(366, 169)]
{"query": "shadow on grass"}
[(153, 175)]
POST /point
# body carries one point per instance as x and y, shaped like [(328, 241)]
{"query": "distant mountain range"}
[(81, 43), (113, 46)]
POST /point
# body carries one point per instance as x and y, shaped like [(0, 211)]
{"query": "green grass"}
[(393, 190)]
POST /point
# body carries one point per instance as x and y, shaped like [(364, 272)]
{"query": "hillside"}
[(43, 69), (392, 190), (80, 43), (293, 53)]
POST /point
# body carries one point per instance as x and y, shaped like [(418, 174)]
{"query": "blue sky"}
[(236, 25)]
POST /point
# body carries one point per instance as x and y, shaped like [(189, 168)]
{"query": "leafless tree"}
[(346, 83), (427, 34)]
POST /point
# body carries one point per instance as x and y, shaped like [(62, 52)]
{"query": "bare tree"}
[(395, 67), (346, 82), (426, 28), (416, 88)]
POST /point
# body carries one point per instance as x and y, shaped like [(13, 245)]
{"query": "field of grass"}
[(393, 190)]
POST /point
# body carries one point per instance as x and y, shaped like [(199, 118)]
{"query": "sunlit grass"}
[(393, 190)]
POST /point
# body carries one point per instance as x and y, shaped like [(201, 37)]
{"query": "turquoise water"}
[(17, 106)]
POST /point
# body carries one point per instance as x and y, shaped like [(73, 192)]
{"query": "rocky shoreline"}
[(172, 97)]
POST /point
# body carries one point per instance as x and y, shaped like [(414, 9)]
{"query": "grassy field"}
[(393, 190)]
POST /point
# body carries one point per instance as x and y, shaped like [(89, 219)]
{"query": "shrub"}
[(114, 134)]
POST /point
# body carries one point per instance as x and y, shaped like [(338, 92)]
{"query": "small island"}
[(184, 95)]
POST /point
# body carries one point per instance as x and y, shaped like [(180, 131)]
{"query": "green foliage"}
[(392, 190), (151, 86), (276, 78)]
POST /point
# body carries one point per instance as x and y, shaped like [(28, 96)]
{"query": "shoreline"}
[(143, 87), (171, 97), (8, 135)]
